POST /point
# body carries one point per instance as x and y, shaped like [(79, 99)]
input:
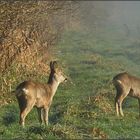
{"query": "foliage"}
[(29, 30)]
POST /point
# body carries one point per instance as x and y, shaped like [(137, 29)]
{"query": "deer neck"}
[(54, 86), (53, 83), (51, 77)]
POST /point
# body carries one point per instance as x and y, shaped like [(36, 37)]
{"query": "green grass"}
[(83, 108)]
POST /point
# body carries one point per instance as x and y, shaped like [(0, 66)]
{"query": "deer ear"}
[(53, 65)]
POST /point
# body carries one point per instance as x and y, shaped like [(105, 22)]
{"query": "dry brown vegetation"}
[(28, 30)]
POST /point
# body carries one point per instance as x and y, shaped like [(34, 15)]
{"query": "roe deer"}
[(30, 94), (126, 84)]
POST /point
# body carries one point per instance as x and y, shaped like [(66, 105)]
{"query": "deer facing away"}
[(30, 94), (126, 85)]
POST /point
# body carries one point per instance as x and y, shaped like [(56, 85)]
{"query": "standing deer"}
[(126, 84), (30, 94)]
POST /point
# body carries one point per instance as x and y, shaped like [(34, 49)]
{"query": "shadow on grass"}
[(55, 118), (9, 117), (37, 129)]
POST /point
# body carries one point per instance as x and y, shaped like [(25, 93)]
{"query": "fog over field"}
[(123, 15)]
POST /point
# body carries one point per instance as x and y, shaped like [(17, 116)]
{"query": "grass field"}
[(83, 108)]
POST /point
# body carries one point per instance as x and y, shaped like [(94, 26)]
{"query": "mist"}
[(126, 15), (122, 17)]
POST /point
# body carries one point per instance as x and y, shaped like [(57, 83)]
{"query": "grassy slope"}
[(85, 107)]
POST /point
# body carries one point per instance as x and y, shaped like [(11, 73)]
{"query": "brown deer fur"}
[(30, 94), (126, 85)]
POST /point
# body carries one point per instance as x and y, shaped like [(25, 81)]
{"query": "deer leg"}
[(120, 101), (120, 106), (116, 105), (40, 115), (24, 113), (46, 110)]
